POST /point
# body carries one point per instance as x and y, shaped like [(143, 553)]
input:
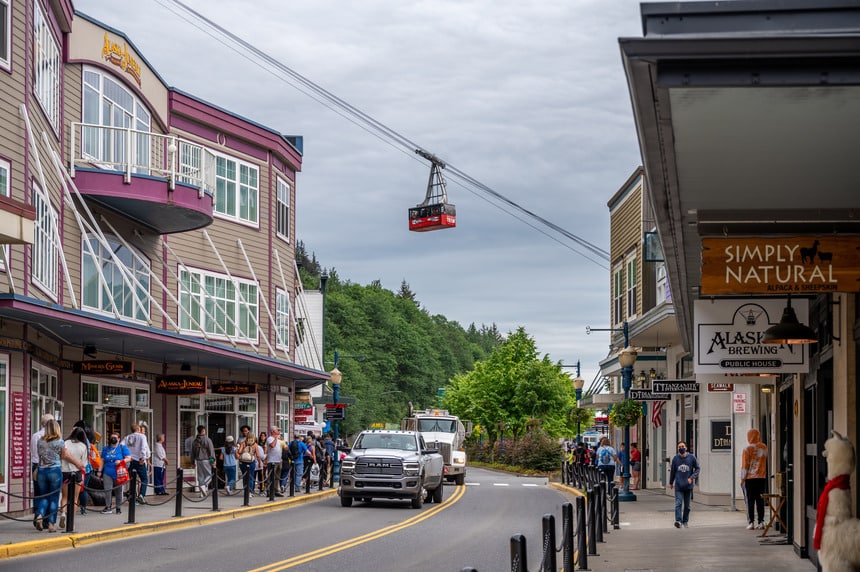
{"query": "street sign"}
[(335, 414), (335, 405), (325, 399), (648, 395), (718, 387), (739, 402), (674, 386)]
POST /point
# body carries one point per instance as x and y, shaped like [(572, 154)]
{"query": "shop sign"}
[(739, 403), (720, 387), (302, 406), (119, 56), (18, 444), (674, 386), (721, 435), (229, 388), (728, 337), (103, 367), (778, 265), (181, 384), (648, 395)]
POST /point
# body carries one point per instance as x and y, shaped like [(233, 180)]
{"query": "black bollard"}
[(70, 505), (246, 491), (548, 561), (613, 503), (567, 543), (581, 532), (270, 480), (599, 516), (132, 497), (214, 489), (308, 481), (293, 479), (591, 528), (180, 481), (519, 554)]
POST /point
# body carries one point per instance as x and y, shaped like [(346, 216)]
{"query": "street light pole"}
[(578, 382), (626, 359), (335, 377)]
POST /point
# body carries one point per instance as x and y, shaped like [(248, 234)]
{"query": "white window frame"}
[(282, 319), (232, 209), (282, 415), (631, 290), (46, 62), (282, 212), (42, 402), (117, 283), (194, 300), (6, 39), (617, 294), (5, 189), (45, 250)]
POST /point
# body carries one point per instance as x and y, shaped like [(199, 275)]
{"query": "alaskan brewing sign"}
[(674, 386), (728, 334), (766, 265)]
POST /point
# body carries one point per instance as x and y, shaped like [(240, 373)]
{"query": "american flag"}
[(657, 413)]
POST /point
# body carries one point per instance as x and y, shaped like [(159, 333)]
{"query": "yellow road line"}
[(349, 543)]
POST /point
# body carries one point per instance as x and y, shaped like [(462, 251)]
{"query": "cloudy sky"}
[(529, 98)]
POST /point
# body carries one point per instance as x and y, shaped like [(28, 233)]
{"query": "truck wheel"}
[(460, 479), (418, 501), (437, 494), (345, 501)]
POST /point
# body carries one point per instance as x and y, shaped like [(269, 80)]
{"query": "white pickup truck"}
[(391, 465)]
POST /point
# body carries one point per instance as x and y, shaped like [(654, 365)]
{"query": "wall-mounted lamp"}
[(90, 351), (185, 366), (789, 330), (767, 389)]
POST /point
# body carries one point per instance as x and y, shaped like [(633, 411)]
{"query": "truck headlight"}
[(458, 458), (411, 469), (347, 466)]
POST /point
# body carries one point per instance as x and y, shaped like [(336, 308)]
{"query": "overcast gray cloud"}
[(528, 98)]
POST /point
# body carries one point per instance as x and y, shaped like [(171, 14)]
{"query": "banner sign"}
[(228, 388), (19, 444), (728, 332), (775, 265), (721, 435), (648, 395), (103, 367), (181, 384), (674, 386)]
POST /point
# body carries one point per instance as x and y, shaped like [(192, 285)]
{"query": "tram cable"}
[(386, 134)]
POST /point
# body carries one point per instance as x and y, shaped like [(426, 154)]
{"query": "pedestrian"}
[(228, 458), (622, 456), (203, 455), (298, 453), (274, 449), (94, 463), (76, 451), (310, 460), (260, 476), (635, 465), (159, 464), (682, 477), (754, 477), (607, 458), (139, 450), (113, 453), (248, 459), (34, 451), (331, 453), (244, 431), (322, 461), (49, 475)]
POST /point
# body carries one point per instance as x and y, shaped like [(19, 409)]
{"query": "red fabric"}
[(841, 482), (657, 413)]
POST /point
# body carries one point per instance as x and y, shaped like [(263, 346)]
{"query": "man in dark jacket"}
[(682, 478), (203, 454)]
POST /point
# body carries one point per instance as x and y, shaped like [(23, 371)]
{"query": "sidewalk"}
[(20, 537), (717, 539)]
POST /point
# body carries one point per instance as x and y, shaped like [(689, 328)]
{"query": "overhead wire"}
[(376, 128)]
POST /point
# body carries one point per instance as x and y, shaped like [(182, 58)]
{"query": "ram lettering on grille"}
[(378, 466)]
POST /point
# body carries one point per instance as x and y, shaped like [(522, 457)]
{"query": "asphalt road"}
[(472, 527)]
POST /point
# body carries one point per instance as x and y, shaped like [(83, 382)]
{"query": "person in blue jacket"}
[(682, 478), (112, 453)]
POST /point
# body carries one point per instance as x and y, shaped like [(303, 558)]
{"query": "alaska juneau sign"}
[(181, 384), (728, 337), (763, 265)]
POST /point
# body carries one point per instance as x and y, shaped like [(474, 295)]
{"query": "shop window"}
[(45, 254), (248, 404), (282, 416), (219, 403), (236, 189), (46, 64), (229, 311), (43, 395), (118, 293), (617, 295), (116, 396), (632, 286), (5, 36), (6, 191)]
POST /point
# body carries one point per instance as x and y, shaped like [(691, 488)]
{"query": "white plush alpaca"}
[(837, 533)]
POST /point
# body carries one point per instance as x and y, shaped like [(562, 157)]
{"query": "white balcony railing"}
[(134, 152)]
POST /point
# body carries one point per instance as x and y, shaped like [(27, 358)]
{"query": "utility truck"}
[(444, 432)]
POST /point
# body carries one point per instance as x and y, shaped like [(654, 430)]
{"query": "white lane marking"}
[(531, 485), (473, 484), (501, 485)]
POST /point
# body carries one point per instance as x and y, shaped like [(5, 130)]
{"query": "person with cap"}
[(229, 455)]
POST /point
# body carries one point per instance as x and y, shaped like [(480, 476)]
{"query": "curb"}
[(76, 540), (568, 489)]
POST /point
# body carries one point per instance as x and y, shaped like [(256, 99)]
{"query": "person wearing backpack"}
[(606, 460)]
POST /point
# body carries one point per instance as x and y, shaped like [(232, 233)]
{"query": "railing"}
[(131, 151)]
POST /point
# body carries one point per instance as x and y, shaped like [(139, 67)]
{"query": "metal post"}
[(70, 506), (548, 559), (270, 477), (591, 533), (335, 394), (519, 555), (215, 489), (613, 504), (246, 482), (132, 497), (599, 512), (581, 533), (568, 549), (179, 484), (626, 377), (293, 479)]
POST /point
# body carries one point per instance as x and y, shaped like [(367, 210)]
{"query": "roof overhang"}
[(77, 328), (746, 115)]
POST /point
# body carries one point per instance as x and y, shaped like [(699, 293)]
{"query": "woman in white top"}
[(76, 447), (159, 464)]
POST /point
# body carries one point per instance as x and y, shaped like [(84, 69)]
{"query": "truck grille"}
[(445, 451), (378, 466)]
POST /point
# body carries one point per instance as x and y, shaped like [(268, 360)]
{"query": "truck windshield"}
[(437, 425), (384, 441)]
